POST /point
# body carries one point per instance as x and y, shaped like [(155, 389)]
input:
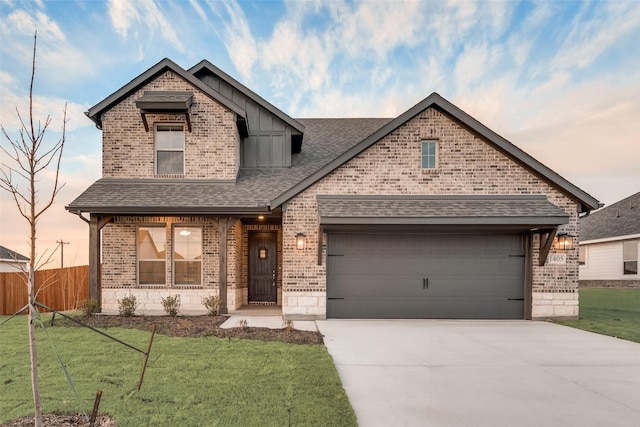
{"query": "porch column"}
[(224, 224), (95, 283)]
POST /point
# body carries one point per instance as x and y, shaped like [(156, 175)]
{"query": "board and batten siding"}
[(269, 140)]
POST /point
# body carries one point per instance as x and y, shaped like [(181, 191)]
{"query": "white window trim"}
[(437, 154), (183, 150), (173, 260), (138, 259)]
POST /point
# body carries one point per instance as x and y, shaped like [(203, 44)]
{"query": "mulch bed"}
[(192, 327), (195, 327)]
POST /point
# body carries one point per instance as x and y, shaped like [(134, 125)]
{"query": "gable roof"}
[(11, 256), (620, 219), (434, 100), (205, 65), (96, 111)]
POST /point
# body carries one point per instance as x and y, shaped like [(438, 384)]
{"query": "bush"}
[(171, 305), (212, 304), (89, 307), (127, 306)]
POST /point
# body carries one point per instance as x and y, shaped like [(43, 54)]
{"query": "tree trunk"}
[(33, 354)]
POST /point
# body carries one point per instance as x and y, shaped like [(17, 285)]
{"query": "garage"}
[(428, 275), (432, 257)]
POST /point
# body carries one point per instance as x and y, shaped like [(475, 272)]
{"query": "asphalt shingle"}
[(620, 219)]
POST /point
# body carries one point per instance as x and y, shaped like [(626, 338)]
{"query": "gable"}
[(436, 102), (273, 136)]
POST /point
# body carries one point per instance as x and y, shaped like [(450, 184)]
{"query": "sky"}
[(559, 79)]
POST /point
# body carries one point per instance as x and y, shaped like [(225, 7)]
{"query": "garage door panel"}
[(384, 276)]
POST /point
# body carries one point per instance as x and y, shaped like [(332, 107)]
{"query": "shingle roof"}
[(8, 254), (620, 219), (254, 189), (530, 210)]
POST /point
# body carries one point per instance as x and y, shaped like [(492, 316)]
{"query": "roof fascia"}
[(206, 65), (163, 210), (611, 239), (162, 66), (587, 202)]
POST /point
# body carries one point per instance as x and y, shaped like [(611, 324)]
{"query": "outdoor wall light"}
[(301, 241), (564, 241)]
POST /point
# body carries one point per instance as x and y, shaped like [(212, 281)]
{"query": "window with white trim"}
[(582, 255), (187, 255), (429, 154), (169, 149), (152, 252), (630, 257)]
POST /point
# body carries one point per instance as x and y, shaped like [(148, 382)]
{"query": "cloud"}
[(239, 42), (142, 17)]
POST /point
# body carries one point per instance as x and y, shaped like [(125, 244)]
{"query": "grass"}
[(614, 312), (189, 381)]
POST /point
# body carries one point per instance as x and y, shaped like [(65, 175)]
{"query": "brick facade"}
[(466, 165), (211, 151)]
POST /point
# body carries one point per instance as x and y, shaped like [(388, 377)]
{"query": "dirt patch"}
[(194, 327), (61, 420)]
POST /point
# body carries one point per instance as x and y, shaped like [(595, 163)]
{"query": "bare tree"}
[(29, 159)]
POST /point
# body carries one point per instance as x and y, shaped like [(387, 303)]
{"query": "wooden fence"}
[(60, 289)]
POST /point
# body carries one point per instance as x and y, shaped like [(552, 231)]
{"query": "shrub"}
[(88, 307), (212, 304), (171, 305), (127, 306)]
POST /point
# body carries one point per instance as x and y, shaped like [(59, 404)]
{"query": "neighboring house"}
[(12, 262), (610, 244), (208, 188)]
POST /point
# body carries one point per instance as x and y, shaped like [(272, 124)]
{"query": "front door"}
[(263, 275)]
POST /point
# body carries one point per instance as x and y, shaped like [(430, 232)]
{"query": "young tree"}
[(29, 159)]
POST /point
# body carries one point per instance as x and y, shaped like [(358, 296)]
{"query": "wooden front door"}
[(263, 265)]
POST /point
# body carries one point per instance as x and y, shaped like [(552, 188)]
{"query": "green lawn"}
[(188, 382), (614, 312)]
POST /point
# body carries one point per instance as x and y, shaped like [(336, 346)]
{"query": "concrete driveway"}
[(484, 373)]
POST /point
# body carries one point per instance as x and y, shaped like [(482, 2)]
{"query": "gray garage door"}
[(425, 276)]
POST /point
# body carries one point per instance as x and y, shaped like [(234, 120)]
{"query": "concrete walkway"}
[(484, 373)]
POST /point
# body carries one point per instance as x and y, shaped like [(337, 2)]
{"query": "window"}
[(187, 255), (582, 255), (630, 257), (169, 150), (429, 153), (152, 244)]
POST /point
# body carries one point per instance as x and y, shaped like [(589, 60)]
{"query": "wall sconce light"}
[(262, 253), (564, 241), (301, 241)]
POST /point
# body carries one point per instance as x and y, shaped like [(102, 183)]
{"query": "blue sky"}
[(560, 79)]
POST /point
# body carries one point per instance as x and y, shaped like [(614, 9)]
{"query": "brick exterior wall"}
[(212, 149), (466, 165), (119, 265)]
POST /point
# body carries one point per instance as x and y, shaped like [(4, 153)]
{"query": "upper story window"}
[(169, 140), (630, 257), (429, 154)]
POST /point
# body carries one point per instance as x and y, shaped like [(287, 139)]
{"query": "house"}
[(609, 245), (12, 262), (207, 189)]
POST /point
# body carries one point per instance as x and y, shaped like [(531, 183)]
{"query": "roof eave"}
[(96, 111), (585, 201)]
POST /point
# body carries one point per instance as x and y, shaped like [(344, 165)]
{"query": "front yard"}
[(614, 312), (189, 381)]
